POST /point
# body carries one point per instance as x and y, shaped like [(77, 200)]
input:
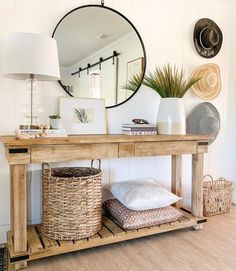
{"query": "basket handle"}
[(208, 176), (99, 163), (43, 168)]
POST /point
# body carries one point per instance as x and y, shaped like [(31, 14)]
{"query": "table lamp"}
[(31, 56)]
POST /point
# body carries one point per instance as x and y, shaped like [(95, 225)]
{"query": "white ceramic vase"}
[(171, 117)]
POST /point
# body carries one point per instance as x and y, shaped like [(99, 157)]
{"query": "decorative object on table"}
[(55, 132), (33, 127), (40, 131), (83, 115), (3, 258), (71, 202), (207, 38), (209, 86), (140, 121), (34, 57), (170, 84), (204, 119), (142, 194), (139, 129), (55, 121), (20, 135), (217, 196), (130, 219)]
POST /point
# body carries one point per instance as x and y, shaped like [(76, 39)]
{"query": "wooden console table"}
[(26, 244)]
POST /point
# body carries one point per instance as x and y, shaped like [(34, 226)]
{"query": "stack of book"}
[(139, 129), (46, 132)]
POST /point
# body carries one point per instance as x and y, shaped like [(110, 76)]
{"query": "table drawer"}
[(126, 149), (59, 153), (165, 148)]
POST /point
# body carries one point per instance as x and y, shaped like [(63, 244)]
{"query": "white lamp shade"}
[(30, 53)]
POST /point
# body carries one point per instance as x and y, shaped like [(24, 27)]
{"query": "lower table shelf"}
[(39, 246)]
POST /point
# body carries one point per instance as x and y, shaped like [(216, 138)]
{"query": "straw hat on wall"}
[(209, 86)]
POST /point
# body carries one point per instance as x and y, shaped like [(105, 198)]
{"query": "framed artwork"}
[(83, 115), (134, 67)]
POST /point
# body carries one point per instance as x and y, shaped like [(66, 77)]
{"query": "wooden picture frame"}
[(135, 66), (83, 115)]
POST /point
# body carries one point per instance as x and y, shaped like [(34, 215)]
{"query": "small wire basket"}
[(217, 196)]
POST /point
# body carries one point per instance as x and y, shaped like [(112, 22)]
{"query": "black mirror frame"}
[(141, 41)]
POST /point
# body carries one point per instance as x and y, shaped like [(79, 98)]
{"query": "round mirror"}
[(101, 54)]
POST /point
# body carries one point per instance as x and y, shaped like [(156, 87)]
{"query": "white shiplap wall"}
[(166, 28)]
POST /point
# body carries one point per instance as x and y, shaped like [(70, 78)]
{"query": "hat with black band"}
[(207, 38)]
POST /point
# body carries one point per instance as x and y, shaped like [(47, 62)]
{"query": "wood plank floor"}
[(210, 249)]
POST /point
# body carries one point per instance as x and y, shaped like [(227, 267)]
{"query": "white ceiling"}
[(77, 35)]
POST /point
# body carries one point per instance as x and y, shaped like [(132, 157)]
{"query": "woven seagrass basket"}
[(71, 202), (217, 196)]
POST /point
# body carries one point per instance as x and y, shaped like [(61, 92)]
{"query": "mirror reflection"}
[(100, 52)]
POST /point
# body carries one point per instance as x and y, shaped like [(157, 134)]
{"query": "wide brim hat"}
[(209, 85), (204, 119), (207, 38)]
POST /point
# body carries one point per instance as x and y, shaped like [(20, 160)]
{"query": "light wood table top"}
[(111, 138)]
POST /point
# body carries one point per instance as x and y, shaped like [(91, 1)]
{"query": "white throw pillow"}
[(142, 195)]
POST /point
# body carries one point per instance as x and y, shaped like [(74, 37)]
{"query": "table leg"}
[(197, 187), (176, 177), (19, 211)]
